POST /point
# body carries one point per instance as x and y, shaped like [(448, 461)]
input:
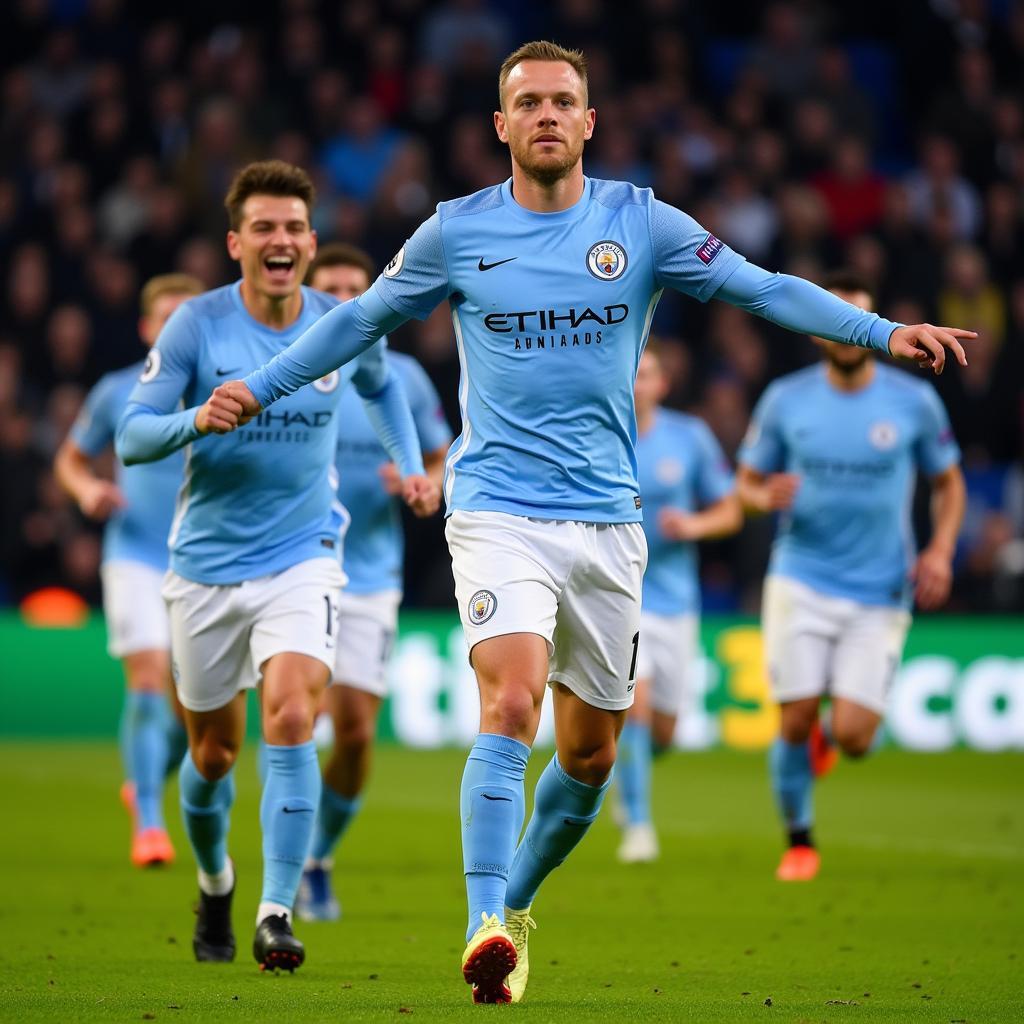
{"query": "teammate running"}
[(137, 507), (254, 579), (687, 490), (372, 557), (552, 279), (835, 448)]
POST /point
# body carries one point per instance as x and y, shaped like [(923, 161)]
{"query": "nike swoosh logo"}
[(507, 799), (296, 810), (224, 373), (490, 266)]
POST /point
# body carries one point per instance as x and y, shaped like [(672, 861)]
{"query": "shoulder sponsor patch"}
[(152, 368), (709, 249), (394, 268)]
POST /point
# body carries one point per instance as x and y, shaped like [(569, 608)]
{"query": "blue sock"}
[(291, 793), (206, 811), (633, 771), (492, 805), (563, 810), (792, 782), (332, 818), (145, 739)]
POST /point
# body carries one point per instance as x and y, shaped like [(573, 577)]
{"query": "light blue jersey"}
[(262, 498), (374, 544), (681, 466), (551, 313), (138, 532), (849, 533)]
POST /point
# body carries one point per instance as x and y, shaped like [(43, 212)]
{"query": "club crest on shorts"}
[(394, 268), (607, 260), (152, 367), (327, 384), (883, 435), (482, 606)]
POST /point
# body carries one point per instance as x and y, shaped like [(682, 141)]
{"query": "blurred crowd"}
[(885, 137)]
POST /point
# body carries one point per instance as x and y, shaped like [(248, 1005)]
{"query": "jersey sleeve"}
[(686, 257), (416, 280), (935, 448), (93, 429), (151, 426), (427, 412), (387, 409), (763, 448), (714, 474)]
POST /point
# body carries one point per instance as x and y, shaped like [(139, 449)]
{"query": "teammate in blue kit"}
[(552, 279), (835, 448), (137, 507), (687, 489), (254, 574), (372, 561)]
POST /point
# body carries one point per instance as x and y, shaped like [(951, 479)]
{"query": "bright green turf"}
[(917, 916)]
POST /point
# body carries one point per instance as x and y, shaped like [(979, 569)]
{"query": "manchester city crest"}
[(327, 384), (883, 435), (482, 606), (607, 260)]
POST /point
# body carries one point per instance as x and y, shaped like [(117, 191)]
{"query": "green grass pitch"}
[(918, 914)]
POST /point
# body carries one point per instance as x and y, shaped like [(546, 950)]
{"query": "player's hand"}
[(421, 494), (675, 524), (220, 413), (239, 391), (779, 492), (933, 578), (926, 345), (101, 499), (390, 478)]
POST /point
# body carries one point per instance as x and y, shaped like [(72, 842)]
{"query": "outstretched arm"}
[(801, 306)]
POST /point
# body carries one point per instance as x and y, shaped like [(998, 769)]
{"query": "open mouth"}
[(279, 267), (549, 139)]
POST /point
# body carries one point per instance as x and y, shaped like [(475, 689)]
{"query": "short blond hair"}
[(167, 284), (542, 49)]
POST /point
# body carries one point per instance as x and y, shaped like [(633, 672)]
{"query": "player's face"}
[(544, 119), (847, 359), (651, 386), (343, 282), (152, 324), (274, 244)]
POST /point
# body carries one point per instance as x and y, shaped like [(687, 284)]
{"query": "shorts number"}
[(330, 613), (387, 645), (636, 648)]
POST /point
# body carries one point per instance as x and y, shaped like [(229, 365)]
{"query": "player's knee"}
[(214, 757), (590, 765), (854, 743), (355, 734), (512, 711), (289, 723)]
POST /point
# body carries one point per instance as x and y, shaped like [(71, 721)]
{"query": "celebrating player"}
[(835, 449), (687, 490), (372, 561), (254, 579), (552, 279), (137, 507)]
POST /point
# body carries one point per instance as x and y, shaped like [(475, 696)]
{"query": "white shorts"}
[(135, 612), (816, 644), (221, 635), (575, 584), (367, 624), (668, 656)]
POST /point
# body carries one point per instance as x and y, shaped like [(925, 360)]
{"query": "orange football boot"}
[(798, 864), (152, 847)]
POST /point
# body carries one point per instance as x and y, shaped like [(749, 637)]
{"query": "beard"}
[(848, 365), (546, 170)]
